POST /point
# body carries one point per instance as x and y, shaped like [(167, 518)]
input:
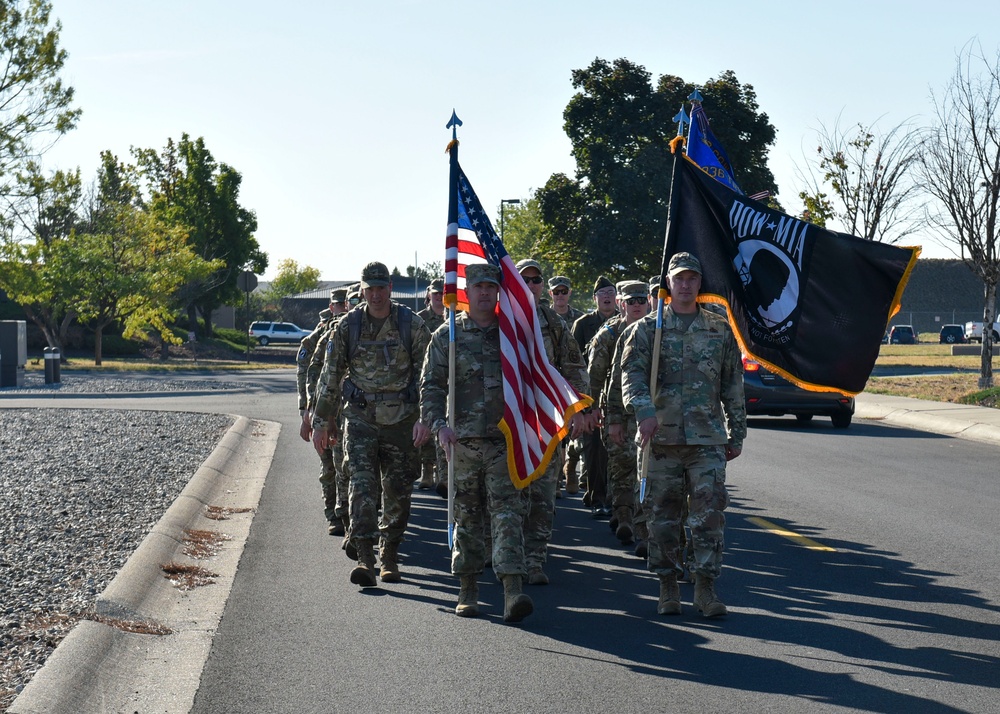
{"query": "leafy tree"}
[(870, 174), (610, 218), (427, 271), (188, 189), (35, 106), (960, 170), (33, 271), (130, 263), (291, 279)]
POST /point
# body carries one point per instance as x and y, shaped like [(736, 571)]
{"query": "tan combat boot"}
[(389, 555), (572, 477), (468, 597), (516, 605), (705, 598), (426, 476), (537, 576), (624, 531), (364, 573), (670, 596)]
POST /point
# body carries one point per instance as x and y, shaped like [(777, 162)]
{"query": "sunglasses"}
[(354, 301), (536, 280), (635, 301), (560, 291)]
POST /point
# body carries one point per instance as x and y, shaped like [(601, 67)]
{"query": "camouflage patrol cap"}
[(338, 295), (680, 262), (654, 284), (601, 283), (523, 265), (559, 281), (436, 286), (482, 273), (375, 274), (325, 314), (632, 288)]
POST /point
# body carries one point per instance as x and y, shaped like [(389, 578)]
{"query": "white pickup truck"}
[(974, 332)]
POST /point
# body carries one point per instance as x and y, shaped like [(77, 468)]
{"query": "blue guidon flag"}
[(808, 303), (706, 151)]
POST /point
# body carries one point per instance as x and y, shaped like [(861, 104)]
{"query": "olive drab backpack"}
[(404, 317)]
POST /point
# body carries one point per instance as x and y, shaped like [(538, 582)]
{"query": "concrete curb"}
[(99, 667), (957, 420)]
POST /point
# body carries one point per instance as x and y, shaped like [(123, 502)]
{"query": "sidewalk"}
[(958, 420)]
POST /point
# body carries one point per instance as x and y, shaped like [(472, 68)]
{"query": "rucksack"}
[(404, 316)]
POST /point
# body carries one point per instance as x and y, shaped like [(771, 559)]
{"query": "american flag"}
[(538, 401)]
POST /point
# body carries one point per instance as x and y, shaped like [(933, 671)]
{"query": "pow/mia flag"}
[(808, 303)]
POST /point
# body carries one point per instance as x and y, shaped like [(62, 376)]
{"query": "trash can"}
[(13, 352)]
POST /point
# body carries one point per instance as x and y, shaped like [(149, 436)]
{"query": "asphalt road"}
[(888, 604)]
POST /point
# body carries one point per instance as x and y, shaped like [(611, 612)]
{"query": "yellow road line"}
[(791, 535)]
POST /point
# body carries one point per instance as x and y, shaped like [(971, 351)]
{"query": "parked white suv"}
[(268, 332)]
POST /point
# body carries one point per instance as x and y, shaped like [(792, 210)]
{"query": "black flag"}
[(808, 303)]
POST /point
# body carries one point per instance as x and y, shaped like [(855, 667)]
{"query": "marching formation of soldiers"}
[(374, 398)]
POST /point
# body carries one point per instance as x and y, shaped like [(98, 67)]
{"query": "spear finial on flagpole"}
[(682, 120), (695, 97), (453, 124)]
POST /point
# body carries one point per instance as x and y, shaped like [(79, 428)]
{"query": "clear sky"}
[(335, 112)]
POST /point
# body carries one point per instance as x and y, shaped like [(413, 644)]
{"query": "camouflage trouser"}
[(343, 481), (622, 467), (333, 479), (431, 453), (705, 491), (541, 510), (380, 458), (485, 494)]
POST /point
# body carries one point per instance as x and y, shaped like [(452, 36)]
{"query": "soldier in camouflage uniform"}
[(334, 473), (484, 493), (583, 449), (376, 377), (560, 290), (621, 452), (695, 424), (433, 471), (307, 350), (564, 354)]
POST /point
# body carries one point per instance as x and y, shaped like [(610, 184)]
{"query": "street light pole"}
[(511, 201)]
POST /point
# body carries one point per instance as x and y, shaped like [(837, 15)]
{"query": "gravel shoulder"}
[(79, 491)]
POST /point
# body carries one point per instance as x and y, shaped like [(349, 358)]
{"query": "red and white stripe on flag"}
[(462, 248)]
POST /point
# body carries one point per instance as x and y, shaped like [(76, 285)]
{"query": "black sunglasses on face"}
[(536, 280), (635, 301), (560, 291)]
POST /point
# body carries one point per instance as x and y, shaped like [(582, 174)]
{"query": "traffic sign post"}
[(247, 281)]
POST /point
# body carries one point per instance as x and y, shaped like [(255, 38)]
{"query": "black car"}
[(902, 335), (952, 335), (770, 394)]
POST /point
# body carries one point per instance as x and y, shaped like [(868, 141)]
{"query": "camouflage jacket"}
[(562, 350), (306, 349), (382, 371), (699, 398), (432, 319), (571, 316), (316, 362), (478, 380), (604, 365)]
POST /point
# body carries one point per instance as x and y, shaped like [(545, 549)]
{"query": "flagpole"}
[(453, 124), (681, 118)]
